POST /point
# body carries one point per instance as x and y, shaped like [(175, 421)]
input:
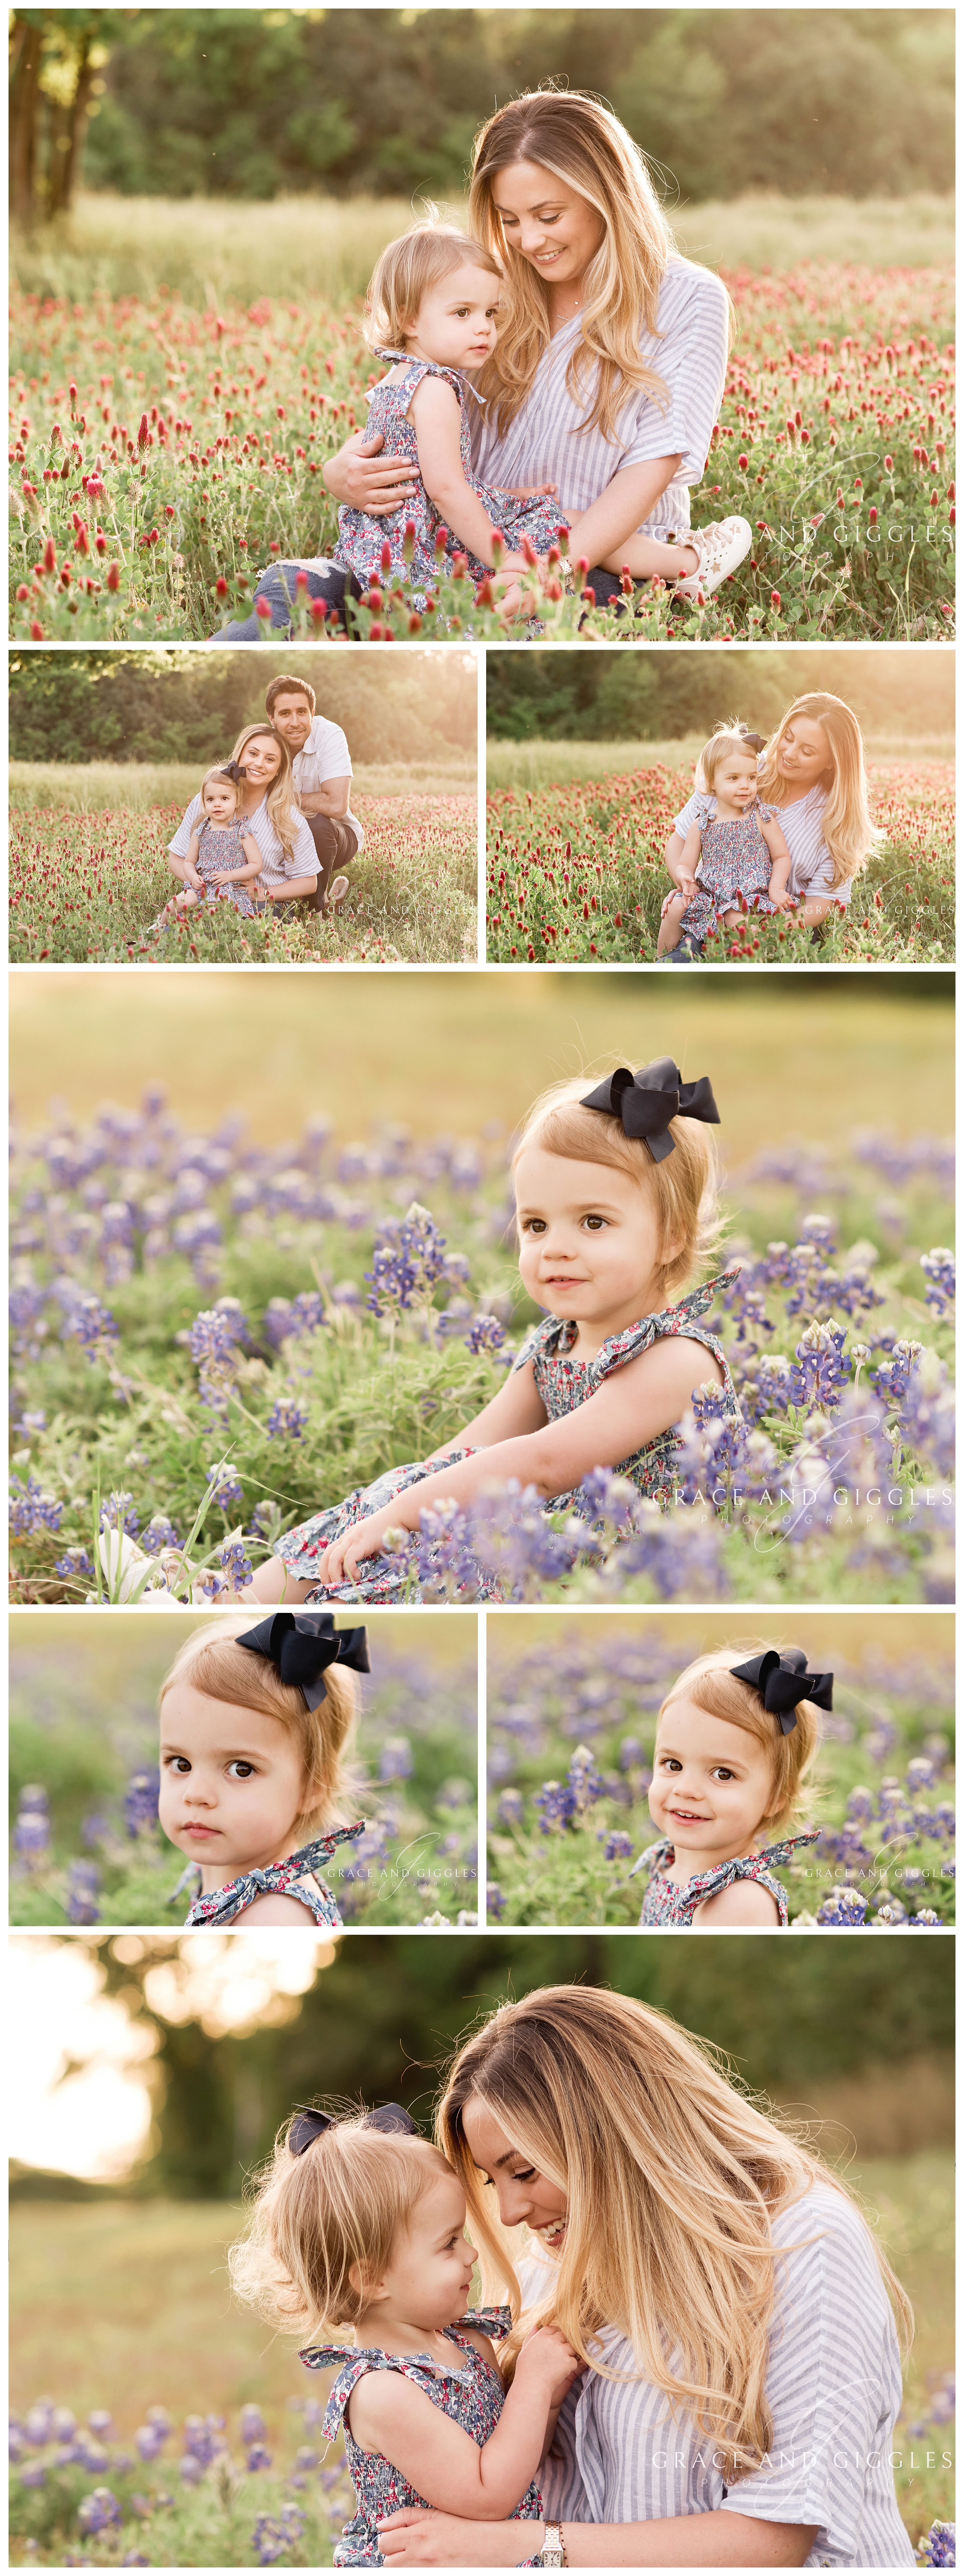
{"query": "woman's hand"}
[(366, 479), (785, 902), (415, 2539), (530, 491)]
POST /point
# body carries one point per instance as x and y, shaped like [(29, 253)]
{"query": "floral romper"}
[(734, 860), (360, 538), (563, 1384), (216, 850), (296, 1877), (471, 2393), (665, 1902)]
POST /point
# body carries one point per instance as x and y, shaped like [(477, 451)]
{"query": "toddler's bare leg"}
[(645, 557), (669, 928), (272, 1582)]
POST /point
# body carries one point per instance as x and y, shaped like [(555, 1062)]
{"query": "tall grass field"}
[(178, 381), (89, 880), (142, 2332), (576, 870)]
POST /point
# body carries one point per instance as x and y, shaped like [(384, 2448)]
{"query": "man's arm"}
[(332, 798)]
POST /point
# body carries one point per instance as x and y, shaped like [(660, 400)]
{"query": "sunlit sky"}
[(95, 2120)]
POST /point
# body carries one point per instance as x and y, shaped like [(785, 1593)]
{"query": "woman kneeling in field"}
[(812, 773), (267, 815)]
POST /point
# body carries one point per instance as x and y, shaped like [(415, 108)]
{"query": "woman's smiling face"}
[(546, 221), (804, 753), (261, 759), (525, 2196)]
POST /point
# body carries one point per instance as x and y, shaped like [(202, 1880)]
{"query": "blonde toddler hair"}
[(406, 271), (222, 778), (712, 1685), (672, 2177), (850, 835), (685, 1187), (344, 2201), (725, 738), (212, 1661)]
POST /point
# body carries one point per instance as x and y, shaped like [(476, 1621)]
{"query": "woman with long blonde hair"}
[(609, 368), (813, 772), (737, 2318), (268, 806)]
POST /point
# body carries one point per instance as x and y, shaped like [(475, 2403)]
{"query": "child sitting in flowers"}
[(223, 860), (616, 1202), (735, 852), (434, 299), (735, 1741)]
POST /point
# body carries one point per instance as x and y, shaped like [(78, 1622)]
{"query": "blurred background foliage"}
[(656, 696), (255, 103), (380, 2020), (170, 705), (83, 1730)]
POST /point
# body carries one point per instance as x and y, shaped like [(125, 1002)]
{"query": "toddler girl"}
[(255, 1731), (433, 304), (736, 848), (223, 859), (361, 2223), (616, 1200), (734, 1744)]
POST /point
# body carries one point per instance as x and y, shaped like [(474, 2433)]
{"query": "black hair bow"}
[(302, 1648), (645, 1102), (232, 769), (308, 2125), (782, 1681), (753, 741)]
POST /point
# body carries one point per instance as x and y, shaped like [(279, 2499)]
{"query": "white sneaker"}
[(718, 548), (336, 894)]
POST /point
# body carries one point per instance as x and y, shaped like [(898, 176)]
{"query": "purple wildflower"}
[(843, 1911), (159, 1534), (83, 1886), (75, 1566), (494, 1901), (618, 1847), (31, 1509), (822, 1366), (288, 1419), (100, 2511), (940, 1272), (487, 1334), (118, 1513), (140, 1803), (396, 1761)]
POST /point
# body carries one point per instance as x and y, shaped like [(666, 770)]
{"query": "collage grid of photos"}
[(481, 1412)]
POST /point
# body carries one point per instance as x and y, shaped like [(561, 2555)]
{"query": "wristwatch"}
[(552, 2552)]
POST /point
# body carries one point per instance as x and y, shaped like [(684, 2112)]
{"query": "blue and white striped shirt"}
[(304, 860), (833, 2388), (546, 442), (811, 866)]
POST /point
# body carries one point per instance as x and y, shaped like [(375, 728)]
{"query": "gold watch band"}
[(552, 2553)]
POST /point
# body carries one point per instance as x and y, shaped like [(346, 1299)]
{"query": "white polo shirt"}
[(325, 755)]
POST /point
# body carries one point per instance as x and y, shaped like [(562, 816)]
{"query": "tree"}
[(55, 62)]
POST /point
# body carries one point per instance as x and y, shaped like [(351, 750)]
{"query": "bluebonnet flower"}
[(843, 1911), (925, 1920), (494, 1901), (75, 1566), (406, 1267), (277, 1320), (235, 1564), (27, 1302), (99, 2511), (191, 2469), (31, 1841), (765, 1387), (605, 1497), (555, 1805), (890, 1378), (140, 1805), (618, 1847), (83, 1885), (118, 1513), (939, 2548), (91, 1324), (822, 1367), (228, 1489), (288, 1420), (487, 1334), (203, 2437), (159, 1534), (197, 1236), (396, 1761), (34, 2476), (213, 1341), (945, 1821), (821, 1231), (38, 2423), (679, 1552), (32, 1509), (940, 1273), (584, 1779), (860, 1805), (928, 1415), (258, 2456), (31, 1422), (890, 1912), (456, 1268), (213, 1585), (149, 2441), (631, 1752)]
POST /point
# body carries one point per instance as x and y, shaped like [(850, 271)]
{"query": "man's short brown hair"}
[(283, 685)]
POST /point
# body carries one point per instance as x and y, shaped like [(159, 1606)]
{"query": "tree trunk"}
[(24, 105), (65, 163)]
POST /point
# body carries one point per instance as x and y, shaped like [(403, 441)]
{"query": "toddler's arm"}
[(435, 411), (387, 2414), (780, 858), (683, 868), (191, 876)]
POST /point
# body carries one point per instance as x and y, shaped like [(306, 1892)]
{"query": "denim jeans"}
[(277, 586)]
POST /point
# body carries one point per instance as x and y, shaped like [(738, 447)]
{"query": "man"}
[(321, 764)]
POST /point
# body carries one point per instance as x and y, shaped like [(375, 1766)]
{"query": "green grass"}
[(213, 249), (96, 786), (784, 1061), (537, 764), (126, 2304)]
